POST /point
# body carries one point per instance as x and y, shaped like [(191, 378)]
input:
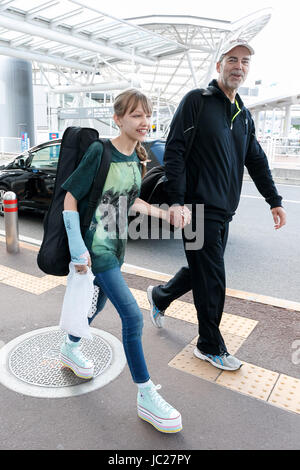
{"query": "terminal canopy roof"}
[(164, 55)]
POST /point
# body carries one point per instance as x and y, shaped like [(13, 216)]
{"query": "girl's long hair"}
[(127, 101)]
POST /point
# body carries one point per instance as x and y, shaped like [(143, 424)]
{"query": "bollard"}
[(10, 205)]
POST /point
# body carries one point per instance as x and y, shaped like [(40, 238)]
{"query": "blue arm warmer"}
[(78, 250)]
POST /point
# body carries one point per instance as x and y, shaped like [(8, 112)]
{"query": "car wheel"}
[(3, 190)]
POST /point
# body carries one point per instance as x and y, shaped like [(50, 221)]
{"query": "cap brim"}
[(247, 46)]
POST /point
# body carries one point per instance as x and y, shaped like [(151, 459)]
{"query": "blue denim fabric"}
[(113, 286)]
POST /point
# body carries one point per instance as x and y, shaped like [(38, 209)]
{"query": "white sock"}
[(145, 384)]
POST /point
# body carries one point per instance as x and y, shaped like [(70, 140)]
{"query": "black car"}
[(31, 175)]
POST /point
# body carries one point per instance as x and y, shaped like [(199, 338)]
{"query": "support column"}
[(157, 113), (190, 62), (264, 124), (273, 121), (287, 120), (256, 120), (16, 98)]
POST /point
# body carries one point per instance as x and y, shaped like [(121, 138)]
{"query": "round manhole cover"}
[(30, 364)]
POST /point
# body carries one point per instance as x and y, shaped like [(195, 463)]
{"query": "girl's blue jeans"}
[(113, 286)]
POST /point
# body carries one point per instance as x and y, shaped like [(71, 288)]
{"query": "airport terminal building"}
[(65, 69)]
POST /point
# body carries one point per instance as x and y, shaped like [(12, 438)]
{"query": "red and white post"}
[(10, 205)]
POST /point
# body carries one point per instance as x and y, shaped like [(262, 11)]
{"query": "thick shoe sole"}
[(149, 295), (163, 425), (83, 373), (199, 355)]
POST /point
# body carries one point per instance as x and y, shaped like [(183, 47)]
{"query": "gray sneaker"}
[(156, 315), (224, 361)]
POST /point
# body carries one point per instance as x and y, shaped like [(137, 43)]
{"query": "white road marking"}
[(259, 197)]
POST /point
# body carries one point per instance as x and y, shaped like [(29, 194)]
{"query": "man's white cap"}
[(235, 43)]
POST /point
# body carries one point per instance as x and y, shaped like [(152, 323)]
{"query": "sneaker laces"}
[(224, 354), (157, 310), (158, 399), (77, 352)]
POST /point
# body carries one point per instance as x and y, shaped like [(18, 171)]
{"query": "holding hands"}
[(179, 216)]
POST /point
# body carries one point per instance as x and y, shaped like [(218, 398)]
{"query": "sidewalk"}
[(257, 407)]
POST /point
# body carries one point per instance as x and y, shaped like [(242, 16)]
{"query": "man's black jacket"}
[(213, 173)]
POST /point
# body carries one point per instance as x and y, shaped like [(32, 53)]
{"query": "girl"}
[(103, 247)]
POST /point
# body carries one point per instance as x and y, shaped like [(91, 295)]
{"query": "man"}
[(225, 141)]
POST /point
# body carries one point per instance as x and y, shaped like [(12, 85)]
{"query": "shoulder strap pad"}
[(203, 91), (98, 184), (207, 91)]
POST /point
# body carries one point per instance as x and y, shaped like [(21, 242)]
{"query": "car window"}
[(45, 157), (16, 162)]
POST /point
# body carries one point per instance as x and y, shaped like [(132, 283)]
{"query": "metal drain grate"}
[(30, 364), (36, 360)]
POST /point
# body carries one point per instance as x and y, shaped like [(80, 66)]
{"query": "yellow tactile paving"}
[(6, 272), (233, 342), (280, 390), (250, 380), (268, 300), (31, 284), (57, 279), (148, 273), (142, 300), (185, 311), (233, 324), (237, 325), (182, 311), (187, 362), (286, 393)]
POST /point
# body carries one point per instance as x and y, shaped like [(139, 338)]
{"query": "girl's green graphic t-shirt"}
[(107, 234)]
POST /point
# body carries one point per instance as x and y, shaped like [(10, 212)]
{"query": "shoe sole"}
[(199, 355), (172, 425), (78, 371), (149, 295)]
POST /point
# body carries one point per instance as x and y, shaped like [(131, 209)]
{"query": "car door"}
[(15, 177), (42, 170)]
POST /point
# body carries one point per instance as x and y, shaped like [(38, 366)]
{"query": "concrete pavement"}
[(257, 407)]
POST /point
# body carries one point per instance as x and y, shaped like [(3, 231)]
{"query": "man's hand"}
[(279, 216), (179, 216)]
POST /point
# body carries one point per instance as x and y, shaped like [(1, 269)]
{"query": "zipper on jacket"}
[(239, 110)]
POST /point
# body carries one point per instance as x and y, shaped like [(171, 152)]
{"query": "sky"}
[(277, 57)]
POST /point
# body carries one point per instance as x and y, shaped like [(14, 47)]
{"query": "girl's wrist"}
[(164, 215)]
